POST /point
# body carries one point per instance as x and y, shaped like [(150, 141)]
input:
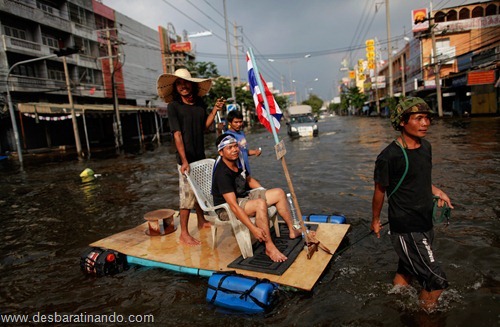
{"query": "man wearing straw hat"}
[(188, 120)]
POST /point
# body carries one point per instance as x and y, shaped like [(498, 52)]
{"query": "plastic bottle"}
[(295, 221)]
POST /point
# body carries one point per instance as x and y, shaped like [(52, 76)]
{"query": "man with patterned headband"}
[(233, 185), (403, 170), (188, 120)]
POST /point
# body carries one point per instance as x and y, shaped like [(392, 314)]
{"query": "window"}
[(15, 32), (464, 13), (84, 45), (56, 75), (87, 76), (439, 17), (451, 15), (491, 10), (77, 14), (50, 41), (24, 70), (45, 7), (477, 12)]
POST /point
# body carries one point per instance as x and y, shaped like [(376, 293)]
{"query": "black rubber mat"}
[(262, 263)]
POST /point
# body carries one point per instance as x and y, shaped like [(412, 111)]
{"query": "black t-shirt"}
[(410, 207), (226, 181), (190, 121)]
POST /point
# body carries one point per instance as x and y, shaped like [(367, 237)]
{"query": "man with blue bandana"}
[(232, 184)]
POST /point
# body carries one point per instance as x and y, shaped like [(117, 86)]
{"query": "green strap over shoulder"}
[(405, 172)]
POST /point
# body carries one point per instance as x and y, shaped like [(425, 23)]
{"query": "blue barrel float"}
[(333, 219), (241, 293)]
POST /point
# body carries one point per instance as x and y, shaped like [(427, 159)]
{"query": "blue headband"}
[(225, 142)]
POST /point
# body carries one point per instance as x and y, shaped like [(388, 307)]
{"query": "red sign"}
[(180, 47), (479, 78), (418, 22)]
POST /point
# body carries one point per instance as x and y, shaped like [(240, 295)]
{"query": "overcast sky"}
[(286, 31)]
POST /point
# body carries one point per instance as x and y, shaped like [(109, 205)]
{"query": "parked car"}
[(302, 125)]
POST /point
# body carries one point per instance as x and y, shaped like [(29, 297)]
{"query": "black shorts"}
[(417, 259)]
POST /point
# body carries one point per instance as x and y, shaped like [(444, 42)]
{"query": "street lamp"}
[(306, 84), (289, 62), (11, 107)]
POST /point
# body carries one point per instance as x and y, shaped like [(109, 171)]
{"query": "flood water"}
[(49, 216)]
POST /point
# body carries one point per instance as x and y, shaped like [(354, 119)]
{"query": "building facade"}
[(111, 78), (467, 47)]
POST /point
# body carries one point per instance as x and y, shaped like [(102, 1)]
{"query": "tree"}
[(352, 99), (221, 87), (315, 102), (202, 69)]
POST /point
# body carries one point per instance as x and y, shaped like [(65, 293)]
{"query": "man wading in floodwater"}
[(404, 170)]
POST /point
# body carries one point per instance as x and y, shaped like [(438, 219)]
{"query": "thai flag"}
[(274, 109)]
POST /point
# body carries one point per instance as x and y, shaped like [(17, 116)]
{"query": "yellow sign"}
[(370, 48), (370, 42), (370, 55), (352, 74)]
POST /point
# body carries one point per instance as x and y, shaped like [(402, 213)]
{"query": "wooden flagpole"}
[(311, 242)]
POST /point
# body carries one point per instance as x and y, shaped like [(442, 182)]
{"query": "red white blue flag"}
[(274, 110)]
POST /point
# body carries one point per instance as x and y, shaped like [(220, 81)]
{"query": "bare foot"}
[(294, 233), (205, 224), (275, 255), (188, 240)]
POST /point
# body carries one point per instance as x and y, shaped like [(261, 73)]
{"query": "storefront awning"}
[(62, 108)]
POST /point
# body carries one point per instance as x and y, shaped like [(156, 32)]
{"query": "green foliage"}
[(202, 69), (352, 98), (221, 87), (315, 102), (334, 107)]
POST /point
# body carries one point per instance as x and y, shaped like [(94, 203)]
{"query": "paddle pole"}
[(311, 242)]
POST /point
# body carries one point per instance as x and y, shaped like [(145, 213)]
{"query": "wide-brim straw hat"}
[(165, 84)]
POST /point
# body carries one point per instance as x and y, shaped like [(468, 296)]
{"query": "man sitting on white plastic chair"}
[(246, 197)]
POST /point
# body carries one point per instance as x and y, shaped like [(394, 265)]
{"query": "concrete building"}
[(112, 78), (467, 43)]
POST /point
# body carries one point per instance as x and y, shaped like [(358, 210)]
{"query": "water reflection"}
[(50, 215)]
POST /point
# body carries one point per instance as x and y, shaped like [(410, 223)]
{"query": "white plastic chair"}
[(200, 180)]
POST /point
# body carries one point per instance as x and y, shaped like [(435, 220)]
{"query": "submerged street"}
[(49, 216)]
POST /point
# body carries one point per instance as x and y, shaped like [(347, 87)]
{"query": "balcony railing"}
[(30, 12), (25, 83)]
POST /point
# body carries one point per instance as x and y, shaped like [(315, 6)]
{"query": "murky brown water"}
[(48, 217)]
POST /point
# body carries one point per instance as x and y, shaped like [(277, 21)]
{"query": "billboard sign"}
[(418, 21), (180, 47)]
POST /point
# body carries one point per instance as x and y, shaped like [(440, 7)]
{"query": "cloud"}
[(285, 30)]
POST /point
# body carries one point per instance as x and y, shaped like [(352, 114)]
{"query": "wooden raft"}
[(302, 274)]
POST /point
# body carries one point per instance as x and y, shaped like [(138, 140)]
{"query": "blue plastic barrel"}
[(333, 219), (241, 293)]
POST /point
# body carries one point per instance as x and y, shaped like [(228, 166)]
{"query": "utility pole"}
[(377, 101), (119, 137), (230, 61), (435, 62), (403, 71), (389, 48), (236, 47), (73, 116), (11, 106)]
